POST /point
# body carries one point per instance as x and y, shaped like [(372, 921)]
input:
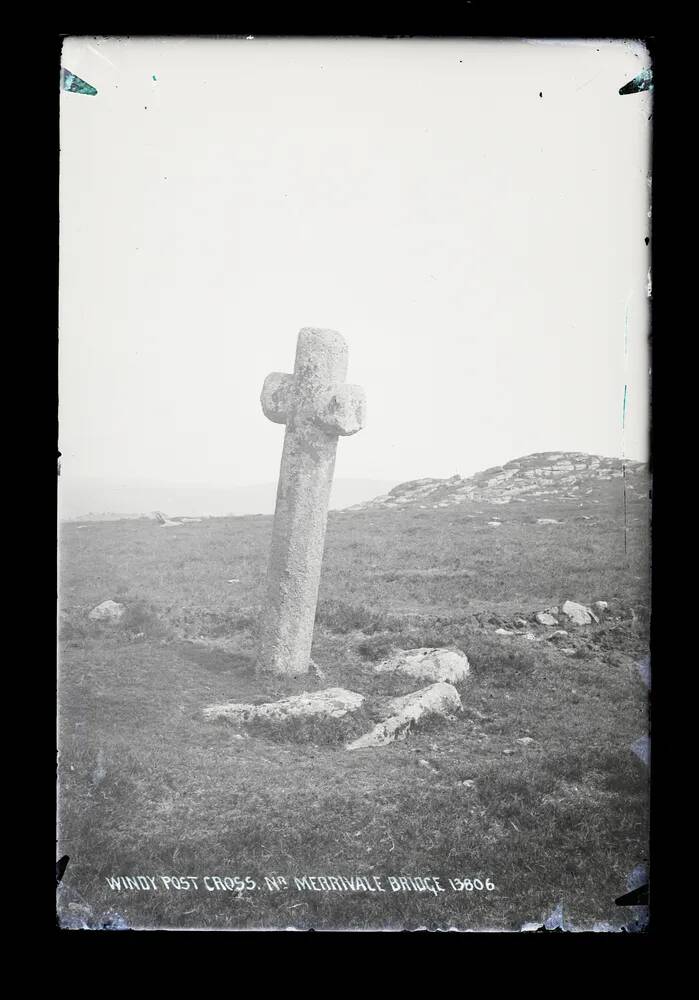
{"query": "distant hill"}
[(564, 475), (107, 515)]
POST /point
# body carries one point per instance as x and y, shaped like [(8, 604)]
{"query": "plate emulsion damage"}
[(74, 85), (642, 81)]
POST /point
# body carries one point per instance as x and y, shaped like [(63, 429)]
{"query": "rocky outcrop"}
[(545, 474)]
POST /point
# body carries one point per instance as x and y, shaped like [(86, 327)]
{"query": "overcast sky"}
[(470, 215)]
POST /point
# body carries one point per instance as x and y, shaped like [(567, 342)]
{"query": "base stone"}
[(333, 703), (427, 664), (437, 699)]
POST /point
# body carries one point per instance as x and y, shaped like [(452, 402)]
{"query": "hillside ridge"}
[(566, 475)]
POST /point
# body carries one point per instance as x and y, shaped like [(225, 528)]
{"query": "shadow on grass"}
[(217, 661)]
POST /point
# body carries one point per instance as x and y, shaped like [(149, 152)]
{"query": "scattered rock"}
[(469, 783), (577, 613), (544, 618), (426, 764), (558, 634), (108, 611), (437, 699), (601, 605), (525, 740), (504, 631), (531, 637), (494, 524), (330, 702), (508, 753), (428, 664), (547, 520), (521, 622)]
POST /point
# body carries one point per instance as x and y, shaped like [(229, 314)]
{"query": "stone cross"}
[(317, 406)]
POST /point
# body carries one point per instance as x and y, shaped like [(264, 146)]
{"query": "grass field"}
[(148, 787)]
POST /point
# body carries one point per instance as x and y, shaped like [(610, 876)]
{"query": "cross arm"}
[(343, 411), (276, 396)]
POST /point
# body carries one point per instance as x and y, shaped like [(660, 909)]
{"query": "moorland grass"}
[(148, 786)]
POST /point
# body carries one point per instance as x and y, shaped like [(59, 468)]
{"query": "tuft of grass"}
[(141, 618), (502, 662), (343, 617), (378, 647), (316, 730)]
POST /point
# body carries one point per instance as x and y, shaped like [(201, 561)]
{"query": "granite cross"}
[(317, 406)]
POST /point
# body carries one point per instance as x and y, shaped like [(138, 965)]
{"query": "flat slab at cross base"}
[(332, 703)]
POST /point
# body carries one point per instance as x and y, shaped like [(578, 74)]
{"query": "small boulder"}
[(547, 520), (107, 611), (330, 702), (504, 631), (437, 699), (601, 605), (544, 618), (577, 613), (428, 664)]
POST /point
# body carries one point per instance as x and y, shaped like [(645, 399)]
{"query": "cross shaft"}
[(317, 406)]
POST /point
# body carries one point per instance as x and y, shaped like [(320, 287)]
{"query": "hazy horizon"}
[(81, 496), (92, 496)]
